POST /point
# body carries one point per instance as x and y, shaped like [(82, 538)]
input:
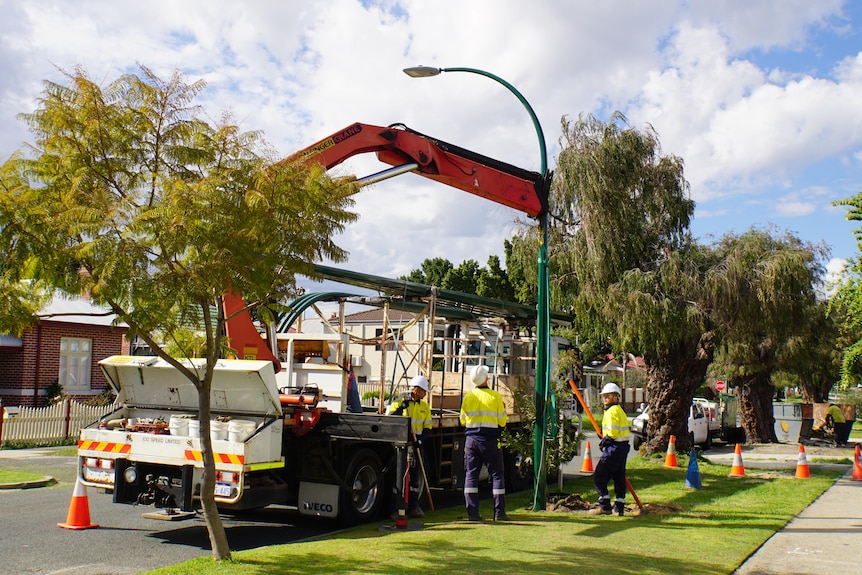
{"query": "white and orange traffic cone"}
[(79, 510), (802, 470), (857, 465), (587, 465), (670, 458), (737, 469)]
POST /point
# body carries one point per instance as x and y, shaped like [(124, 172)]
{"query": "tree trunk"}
[(671, 382), (814, 391), (755, 407), (215, 527)]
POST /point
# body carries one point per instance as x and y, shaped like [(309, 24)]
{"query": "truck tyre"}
[(362, 494), (636, 442)]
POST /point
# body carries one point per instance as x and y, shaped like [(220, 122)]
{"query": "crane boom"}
[(398, 145), (405, 150)]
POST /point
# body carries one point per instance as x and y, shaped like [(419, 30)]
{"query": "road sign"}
[(720, 385)]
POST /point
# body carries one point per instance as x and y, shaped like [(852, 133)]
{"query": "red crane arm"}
[(398, 145)]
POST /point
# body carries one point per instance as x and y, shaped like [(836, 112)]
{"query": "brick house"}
[(64, 347)]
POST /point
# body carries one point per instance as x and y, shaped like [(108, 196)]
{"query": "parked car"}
[(698, 426)]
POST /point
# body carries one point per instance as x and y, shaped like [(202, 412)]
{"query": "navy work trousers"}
[(479, 450)]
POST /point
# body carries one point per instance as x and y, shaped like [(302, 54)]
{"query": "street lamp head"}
[(422, 71)]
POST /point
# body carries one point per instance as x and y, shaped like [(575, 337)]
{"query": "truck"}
[(280, 428), (708, 421), (698, 426), (278, 438), (723, 416)]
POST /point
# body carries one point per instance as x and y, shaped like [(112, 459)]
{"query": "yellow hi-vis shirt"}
[(615, 423), (418, 411), (483, 408), (836, 413)]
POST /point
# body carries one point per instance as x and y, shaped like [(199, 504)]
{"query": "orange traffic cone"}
[(857, 465), (736, 469), (587, 465), (802, 471), (670, 458), (79, 510)]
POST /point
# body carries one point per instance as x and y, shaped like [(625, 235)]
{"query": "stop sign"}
[(720, 385)]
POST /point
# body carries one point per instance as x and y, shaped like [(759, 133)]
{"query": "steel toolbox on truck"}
[(148, 451)]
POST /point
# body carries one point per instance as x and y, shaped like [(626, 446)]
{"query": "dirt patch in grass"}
[(563, 503), (566, 503)]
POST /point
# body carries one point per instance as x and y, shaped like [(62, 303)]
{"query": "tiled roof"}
[(375, 315)]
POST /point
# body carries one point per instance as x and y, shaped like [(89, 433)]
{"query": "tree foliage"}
[(846, 303), (491, 281), (129, 196), (432, 272), (618, 203), (621, 258), (763, 299)]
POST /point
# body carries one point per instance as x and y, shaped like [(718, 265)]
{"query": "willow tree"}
[(762, 294), (129, 196), (812, 356), (846, 302), (845, 308), (622, 259), (661, 313)]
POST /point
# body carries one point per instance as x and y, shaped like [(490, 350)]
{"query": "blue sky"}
[(760, 97)]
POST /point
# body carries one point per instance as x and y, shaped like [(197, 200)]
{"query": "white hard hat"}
[(420, 382), (611, 388), (478, 374)]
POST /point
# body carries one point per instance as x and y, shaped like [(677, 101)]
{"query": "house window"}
[(378, 334), (75, 361)]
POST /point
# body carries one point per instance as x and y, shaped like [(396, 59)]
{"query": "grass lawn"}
[(11, 477), (706, 531)]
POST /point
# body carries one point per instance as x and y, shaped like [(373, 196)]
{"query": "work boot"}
[(476, 519), (619, 509), (503, 517), (599, 511), (416, 513)]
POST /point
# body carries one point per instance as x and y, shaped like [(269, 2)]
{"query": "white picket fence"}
[(47, 425)]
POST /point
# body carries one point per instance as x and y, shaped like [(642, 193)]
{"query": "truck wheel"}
[(518, 474), (636, 442), (363, 494)]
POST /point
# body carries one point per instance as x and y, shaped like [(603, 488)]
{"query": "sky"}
[(760, 98)]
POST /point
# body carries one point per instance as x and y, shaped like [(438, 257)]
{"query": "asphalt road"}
[(125, 543)]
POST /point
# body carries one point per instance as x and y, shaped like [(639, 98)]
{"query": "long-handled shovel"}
[(418, 451)]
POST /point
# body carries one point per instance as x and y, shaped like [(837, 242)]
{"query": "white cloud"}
[(767, 25), (300, 71)]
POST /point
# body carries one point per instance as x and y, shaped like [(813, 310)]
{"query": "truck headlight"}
[(130, 474)]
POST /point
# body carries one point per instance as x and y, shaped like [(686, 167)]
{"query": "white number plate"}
[(223, 489), (98, 475)]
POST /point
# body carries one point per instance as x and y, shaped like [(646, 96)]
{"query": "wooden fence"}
[(47, 425)]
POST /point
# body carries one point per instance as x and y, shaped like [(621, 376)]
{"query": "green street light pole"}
[(543, 327)]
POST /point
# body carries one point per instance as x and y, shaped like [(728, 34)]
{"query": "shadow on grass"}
[(471, 556)]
